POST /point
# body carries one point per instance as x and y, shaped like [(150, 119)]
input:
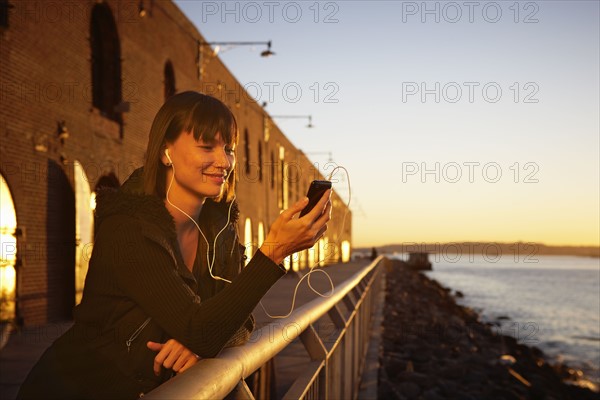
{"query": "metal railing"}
[(334, 371)]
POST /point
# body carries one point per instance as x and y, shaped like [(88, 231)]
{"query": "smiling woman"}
[(166, 283)]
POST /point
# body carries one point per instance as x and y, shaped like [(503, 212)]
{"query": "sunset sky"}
[(456, 123)]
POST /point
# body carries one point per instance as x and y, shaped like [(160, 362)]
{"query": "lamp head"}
[(267, 52)]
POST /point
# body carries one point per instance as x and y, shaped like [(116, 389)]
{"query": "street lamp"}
[(202, 44), (310, 125), (320, 153), (264, 53)]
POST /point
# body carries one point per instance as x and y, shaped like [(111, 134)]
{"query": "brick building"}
[(80, 82)]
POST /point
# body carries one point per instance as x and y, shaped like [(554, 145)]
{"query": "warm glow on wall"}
[(345, 251), (84, 227), (261, 234), (248, 239), (322, 254), (8, 249)]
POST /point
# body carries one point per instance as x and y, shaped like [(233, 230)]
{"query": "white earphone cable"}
[(208, 261), (313, 268)]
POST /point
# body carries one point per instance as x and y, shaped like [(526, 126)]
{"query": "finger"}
[(320, 206), (325, 216), (321, 232), (154, 346), (295, 208), (190, 362), (182, 360), (158, 361), (173, 356), (165, 351)]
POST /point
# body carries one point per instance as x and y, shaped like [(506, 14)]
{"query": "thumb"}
[(154, 346)]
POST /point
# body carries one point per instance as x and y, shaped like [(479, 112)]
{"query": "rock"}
[(423, 380), (394, 368), (449, 388), (433, 394), (422, 355), (409, 389), (434, 349), (475, 377), (503, 394), (453, 371), (386, 391)]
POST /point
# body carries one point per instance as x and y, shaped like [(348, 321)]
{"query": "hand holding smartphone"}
[(315, 192)]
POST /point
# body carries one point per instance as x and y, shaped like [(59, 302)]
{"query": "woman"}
[(163, 288)]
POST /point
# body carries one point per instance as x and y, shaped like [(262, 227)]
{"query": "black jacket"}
[(138, 289)]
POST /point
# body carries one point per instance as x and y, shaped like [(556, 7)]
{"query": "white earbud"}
[(168, 158)]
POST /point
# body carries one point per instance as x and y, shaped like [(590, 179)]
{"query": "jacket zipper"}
[(136, 334)]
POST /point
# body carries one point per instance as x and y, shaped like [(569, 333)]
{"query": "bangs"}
[(210, 117)]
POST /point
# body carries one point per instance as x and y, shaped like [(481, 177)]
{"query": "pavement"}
[(25, 346)]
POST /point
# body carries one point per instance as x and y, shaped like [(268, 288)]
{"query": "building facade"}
[(80, 83)]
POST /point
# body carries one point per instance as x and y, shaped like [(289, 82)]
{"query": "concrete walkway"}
[(23, 349), (26, 346)]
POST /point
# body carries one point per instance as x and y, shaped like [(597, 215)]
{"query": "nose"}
[(222, 159)]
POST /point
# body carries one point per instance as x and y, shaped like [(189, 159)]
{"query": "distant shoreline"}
[(523, 249)]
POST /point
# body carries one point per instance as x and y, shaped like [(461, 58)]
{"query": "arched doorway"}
[(248, 240), (84, 228), (8, 253), (60, 245)]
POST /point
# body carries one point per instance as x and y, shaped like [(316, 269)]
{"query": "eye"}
[(206, 147), (230, 151)]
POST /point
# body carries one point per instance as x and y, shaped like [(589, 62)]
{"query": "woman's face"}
[(200, 167)]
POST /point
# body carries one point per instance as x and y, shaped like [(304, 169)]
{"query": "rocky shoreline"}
[(434, 349)]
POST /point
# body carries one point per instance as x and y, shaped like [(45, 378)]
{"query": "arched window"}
[(260, 162), (247, 151), (106, 62), (284, 180), (272, 170), (169, 80), (345, 251), (8, 252), (248, 240), (261, 234), (84, 227), (4, 7)]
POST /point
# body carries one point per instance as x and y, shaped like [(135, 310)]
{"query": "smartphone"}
[(315, 192)]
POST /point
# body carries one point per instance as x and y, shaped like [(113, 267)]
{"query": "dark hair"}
[(203, 116)]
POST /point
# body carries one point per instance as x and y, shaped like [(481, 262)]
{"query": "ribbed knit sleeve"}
[(145, 273)]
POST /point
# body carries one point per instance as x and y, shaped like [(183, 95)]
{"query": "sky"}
[(456, 121)]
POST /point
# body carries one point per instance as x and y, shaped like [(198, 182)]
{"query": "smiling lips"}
[(218, 178)]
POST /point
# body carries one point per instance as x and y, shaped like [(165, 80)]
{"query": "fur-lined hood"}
[(130, 200)]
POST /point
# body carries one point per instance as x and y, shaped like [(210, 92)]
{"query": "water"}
[(552, 302)]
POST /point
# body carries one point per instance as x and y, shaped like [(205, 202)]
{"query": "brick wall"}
[(45, 77)]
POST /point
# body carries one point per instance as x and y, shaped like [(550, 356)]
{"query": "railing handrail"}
[(216, 377)]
